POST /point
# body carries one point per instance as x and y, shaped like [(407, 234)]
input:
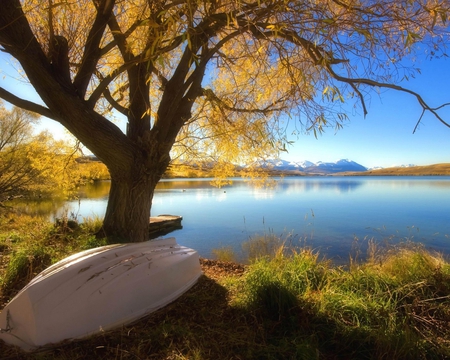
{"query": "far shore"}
[(184, 171), (426, 170)]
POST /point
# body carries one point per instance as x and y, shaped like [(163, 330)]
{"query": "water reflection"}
[(326, 213), (338, 185), (297, 184), (95, 190), (37, 207), (100, 189), (184, 184)]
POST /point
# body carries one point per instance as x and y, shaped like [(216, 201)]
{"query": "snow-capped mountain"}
[(305, 164), (392, 166), (320, 167)]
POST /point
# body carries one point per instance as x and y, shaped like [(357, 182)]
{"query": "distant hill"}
[(430, 170)]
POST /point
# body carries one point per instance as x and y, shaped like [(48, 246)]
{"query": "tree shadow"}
[(198, 324), (204, 324)]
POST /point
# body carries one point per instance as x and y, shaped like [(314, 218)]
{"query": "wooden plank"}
[(164, 224)]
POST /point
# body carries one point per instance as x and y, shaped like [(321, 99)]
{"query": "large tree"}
[(218, 75)]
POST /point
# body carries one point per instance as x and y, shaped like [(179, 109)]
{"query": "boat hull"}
[(97, 290)]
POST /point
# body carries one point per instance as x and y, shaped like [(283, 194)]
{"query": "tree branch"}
[(107, 94), (121, 39), (317, 56), (212, 97), (125, 67), (27, 105), (92, 51), (373, 83), (104, 83)]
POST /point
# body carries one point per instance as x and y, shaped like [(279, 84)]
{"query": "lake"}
[(333, 215)]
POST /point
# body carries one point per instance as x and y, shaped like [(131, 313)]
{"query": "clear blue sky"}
[(384, 138)]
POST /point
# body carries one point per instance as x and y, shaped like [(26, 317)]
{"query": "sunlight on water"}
[(330, 214)]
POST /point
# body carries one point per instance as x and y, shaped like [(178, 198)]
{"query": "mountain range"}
[(320, 167), (305, 167)]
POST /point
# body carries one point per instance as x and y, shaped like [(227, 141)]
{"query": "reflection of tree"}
[(36, 207), (95, 190), (185, 184)]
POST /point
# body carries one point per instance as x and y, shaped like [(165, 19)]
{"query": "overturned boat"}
[(97, 290)]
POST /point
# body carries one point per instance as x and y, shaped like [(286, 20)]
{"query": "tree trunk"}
[(128, 211)]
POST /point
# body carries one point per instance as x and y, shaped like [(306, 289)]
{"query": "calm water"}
[(330, 214)]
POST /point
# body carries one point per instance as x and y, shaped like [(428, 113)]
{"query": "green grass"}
[(287, 304), (29, 245), (393, 306)]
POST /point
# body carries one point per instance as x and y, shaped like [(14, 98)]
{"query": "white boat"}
[(97, 290)]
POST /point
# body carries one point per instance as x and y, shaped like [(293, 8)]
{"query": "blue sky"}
[(383, 138)]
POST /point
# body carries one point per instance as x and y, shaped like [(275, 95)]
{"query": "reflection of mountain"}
[(345, 185), (320, 167)]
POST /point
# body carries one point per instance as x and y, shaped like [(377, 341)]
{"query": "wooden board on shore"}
[(163, 224)]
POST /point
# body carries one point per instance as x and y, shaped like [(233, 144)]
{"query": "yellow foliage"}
[(33, 164), (92, 170), (242, 69)]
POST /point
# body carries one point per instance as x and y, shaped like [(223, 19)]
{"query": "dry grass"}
[(428, 170)]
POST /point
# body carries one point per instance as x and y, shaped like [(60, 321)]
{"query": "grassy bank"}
[(284, 304), (427, 170)]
